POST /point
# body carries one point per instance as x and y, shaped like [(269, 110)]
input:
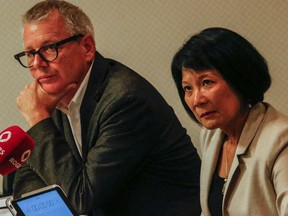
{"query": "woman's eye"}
[(186, 88), (206, 82)]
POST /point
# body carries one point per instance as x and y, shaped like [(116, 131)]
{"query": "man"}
[(101, 131)]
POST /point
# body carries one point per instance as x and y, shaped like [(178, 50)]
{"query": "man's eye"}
[(30, 54), (48, 49)]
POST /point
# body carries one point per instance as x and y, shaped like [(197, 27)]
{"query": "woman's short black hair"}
[(236, 59)]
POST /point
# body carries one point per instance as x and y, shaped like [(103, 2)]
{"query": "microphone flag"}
[(15, 148)]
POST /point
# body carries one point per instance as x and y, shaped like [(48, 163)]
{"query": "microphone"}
[(15, 148)]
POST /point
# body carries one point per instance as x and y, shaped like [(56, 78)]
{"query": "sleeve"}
[(26, 180), (280, 180), (118, 151)]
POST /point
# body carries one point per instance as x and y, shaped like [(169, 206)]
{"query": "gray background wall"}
[(145, 34)]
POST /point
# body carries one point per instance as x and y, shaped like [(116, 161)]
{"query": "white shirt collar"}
[(75, 103)]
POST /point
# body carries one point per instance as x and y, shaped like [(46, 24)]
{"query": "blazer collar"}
[(251, 126), (213, 150), (98, 73), (255, 117), (95, 87)]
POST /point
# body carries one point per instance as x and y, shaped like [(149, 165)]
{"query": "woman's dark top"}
[(215, 196)]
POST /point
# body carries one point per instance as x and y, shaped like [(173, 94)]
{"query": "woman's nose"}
[(198, 98)]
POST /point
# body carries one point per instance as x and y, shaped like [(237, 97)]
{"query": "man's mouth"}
[(46, 79)]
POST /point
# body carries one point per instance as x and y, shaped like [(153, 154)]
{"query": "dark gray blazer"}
[(137, 158)]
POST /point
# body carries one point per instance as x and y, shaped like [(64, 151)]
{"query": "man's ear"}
[(89, 46)]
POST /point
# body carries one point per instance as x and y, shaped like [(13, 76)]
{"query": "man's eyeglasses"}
[(48, 52)]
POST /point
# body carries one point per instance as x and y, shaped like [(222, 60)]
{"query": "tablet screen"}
[(49, 203)]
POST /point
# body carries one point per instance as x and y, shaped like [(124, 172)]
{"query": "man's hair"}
[(76, 21)]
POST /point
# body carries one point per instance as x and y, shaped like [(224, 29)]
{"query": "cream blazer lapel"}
[(210, 149), (251, 126)]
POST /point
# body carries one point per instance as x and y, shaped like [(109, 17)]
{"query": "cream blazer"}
[(258, 179)]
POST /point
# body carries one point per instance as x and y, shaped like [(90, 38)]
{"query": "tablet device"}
[(47, 201)]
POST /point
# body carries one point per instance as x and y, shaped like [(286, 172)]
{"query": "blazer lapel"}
[(93, 93), (251, 126)]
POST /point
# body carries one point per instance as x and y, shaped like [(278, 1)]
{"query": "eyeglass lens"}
[(48, 53)]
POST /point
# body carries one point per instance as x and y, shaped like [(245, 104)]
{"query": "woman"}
[(221, 80)]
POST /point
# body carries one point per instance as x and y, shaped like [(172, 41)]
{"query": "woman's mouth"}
[(207, 114)]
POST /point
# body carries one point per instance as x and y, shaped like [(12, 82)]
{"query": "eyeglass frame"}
[(54, 45)]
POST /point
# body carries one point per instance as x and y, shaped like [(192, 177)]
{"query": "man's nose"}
[(38, 62)]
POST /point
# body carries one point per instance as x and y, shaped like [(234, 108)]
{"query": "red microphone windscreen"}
[(15, 148)]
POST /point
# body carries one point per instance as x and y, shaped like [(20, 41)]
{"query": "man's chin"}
[(50, 89)]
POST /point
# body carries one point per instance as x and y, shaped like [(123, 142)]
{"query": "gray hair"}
[(76, 21)]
